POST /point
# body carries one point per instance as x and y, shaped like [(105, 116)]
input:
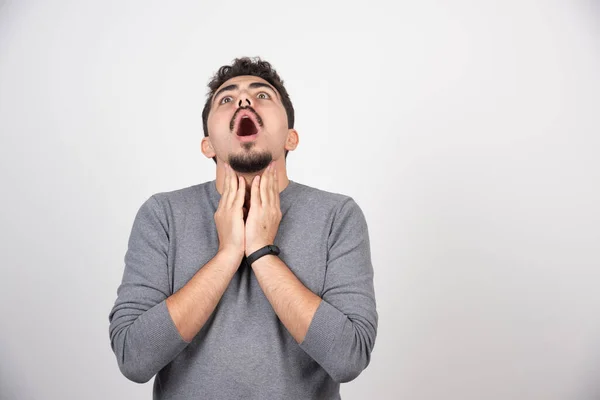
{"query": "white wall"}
[(467, 131)]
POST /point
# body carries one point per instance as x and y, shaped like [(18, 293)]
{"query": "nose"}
[(245, 103)]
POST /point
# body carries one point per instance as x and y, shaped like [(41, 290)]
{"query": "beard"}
[(250, 162)]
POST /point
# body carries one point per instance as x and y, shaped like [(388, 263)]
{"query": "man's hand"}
[(264, 215), (229, 217)]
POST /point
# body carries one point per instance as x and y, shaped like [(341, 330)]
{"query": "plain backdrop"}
[(467, 131)]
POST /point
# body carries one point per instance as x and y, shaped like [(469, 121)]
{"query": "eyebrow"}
[(252, 85)]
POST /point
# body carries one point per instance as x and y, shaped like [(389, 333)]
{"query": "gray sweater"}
[(244, 351)]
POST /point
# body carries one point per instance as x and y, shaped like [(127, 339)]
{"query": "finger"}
[(264, 182), (271, 185), (239, 197), (233, 186), (255, 193), (225, 194), (273, 182), (276, 188)]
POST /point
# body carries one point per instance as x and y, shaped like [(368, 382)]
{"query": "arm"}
[(294, 303), (338, 331), (191, 305), (147, 327), (342, 333)]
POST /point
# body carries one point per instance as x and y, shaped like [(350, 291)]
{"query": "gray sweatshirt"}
[(244, 351)]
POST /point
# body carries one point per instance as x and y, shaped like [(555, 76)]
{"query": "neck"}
[(279, 165)]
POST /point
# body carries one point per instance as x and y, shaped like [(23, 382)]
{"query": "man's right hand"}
[(229, 217)]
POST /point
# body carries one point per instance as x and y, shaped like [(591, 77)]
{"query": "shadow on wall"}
[(9, 381), (590, 385)]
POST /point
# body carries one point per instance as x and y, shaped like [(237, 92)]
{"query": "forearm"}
[(339, 337), (294, 303), (191, 306)]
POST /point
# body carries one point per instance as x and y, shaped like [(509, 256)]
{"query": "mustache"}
[(258, 118)]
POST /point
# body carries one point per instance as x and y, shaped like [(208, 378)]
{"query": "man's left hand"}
[(264, 215)]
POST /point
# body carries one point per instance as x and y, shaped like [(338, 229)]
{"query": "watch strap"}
[(263, 251)]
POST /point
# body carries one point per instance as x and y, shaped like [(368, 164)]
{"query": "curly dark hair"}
[(248, 66)]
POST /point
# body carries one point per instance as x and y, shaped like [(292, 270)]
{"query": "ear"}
[(207, 148), (292, 140)]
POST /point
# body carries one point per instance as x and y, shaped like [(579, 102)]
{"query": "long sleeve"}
[(142, 333), (342, 332)]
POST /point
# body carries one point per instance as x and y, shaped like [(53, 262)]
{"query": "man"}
[(249, 286)]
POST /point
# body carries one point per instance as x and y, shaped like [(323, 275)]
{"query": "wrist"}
[(230, 256), (267, 251), (264, 260), (253, 248)]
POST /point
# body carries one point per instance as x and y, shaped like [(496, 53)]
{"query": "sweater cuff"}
[(161, 328), (151, 343), (325, 328)]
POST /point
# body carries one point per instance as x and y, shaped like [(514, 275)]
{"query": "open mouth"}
[(246, 127), (246, 124)]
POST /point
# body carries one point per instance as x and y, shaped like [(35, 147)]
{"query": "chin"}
[(250, 162)]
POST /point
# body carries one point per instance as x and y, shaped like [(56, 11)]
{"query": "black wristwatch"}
[(268, 249)]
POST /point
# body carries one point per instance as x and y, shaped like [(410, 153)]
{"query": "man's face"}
[(247, 123)]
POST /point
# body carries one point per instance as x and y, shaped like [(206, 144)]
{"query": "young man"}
[(249, 286)]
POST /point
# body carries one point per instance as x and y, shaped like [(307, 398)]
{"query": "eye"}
[(266, 95), (222, 101)]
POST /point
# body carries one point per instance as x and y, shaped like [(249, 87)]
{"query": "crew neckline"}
[(283, 195)]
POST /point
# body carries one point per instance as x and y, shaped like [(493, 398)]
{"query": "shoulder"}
[(346, 222), (182, 193), (168, 204), (331, 201), (182, 196)]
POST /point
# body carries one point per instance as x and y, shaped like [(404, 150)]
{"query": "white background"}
[(467, 131)]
